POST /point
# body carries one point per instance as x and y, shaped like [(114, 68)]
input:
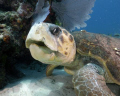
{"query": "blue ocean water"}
[(105, 18)]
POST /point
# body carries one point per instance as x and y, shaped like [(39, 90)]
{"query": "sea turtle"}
[(92, 59)]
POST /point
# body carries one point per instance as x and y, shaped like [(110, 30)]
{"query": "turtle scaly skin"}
[(92, 59)]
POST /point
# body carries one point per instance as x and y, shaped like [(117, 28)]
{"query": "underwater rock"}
[(13, 32), (8, 5), (25, 10), (36, 84), (2, 74), (2, 1), (48, 86), (11, 23)]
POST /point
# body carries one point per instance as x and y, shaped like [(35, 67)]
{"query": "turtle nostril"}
[(55, 30)]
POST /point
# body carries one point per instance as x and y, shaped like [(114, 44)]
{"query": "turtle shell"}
[(104, 49)]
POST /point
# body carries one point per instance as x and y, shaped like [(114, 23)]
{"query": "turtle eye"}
[(55, 31)]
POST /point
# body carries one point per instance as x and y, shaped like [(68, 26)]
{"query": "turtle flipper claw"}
[(88, 82)]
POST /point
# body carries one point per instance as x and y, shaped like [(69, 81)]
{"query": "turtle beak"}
[(42, 54), (39, 34), (41, 43)]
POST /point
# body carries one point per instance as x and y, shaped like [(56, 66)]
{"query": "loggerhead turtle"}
[(92, 59)]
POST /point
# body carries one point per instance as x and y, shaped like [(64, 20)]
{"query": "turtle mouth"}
[(42, 45), (41, 51), (38, 43)]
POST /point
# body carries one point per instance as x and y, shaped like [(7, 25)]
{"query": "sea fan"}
[(41, 11), (73, 13)]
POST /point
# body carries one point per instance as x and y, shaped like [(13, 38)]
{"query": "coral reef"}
[(25, 10), (15, 22)]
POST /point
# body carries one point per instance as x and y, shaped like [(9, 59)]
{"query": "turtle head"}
[(51, 44)]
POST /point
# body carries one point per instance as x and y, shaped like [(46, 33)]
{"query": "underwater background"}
[(105, 18), (16, 62)]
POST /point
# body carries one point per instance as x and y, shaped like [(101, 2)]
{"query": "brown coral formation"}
[(15, 22)]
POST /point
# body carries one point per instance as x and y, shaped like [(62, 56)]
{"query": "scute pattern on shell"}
[(101, 48), (88, 82)]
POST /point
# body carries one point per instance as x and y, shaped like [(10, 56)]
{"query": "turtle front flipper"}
[(50, 69), (89, 81)]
